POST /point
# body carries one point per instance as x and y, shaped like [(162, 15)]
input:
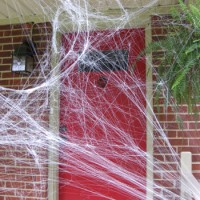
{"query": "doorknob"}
[(102, 82), (62, 129)]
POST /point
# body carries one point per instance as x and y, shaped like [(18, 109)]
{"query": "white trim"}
[(149, 117), (26, 19), (186, 171), (54, 122)]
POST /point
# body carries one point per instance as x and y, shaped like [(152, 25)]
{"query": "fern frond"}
[(192, 48), (182, 74), (180, 65)]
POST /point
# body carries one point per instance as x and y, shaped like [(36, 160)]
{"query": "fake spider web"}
[(87, 128)]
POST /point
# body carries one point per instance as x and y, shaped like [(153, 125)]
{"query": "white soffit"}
[(25, 10)]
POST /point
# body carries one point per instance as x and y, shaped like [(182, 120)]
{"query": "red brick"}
[(195, 158), (158, 38), (5, 67), (158, 55), (25, 178), (160, 142), (10, 75), (165, 183), (18, 82), (161, 17), (163, 150), (43, 25), (10, 191), (4, 82), (10, 162), (161, 23), (194, 125), (9, 47), (172, 158), (5, 27), (2, 184), (159, 157), (21, 154), (180, 109), (167, 117), (42, 30), (22, 26), (193, 150), (5, 40), (13, 32), (13, 198), (196, 167), (32, 193), (7, 61), (169, 166), (41, 45), (158, 175), (171, 175), (7, 177), (157, 197), (5, 54), (171, 134), (42, 38), (189, 134), (2, 153), (156, 61), (175, 191), (197, 175), (19, 39), (178, 142), (176, 125), (194, 142), (13, 170), (157, 31), (189, 117), (35, 186), (15, 184)]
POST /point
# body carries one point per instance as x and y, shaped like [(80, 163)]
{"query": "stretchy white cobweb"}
[(86, 131)]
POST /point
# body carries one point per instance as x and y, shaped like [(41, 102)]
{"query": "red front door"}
[(102, 117)]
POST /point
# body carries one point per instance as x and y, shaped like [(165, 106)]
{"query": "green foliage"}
[(180, 66)]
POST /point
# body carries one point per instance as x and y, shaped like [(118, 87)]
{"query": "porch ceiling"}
[(25, 10)]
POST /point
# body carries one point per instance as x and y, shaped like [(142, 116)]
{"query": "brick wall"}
[(23, 116), (183, 136)]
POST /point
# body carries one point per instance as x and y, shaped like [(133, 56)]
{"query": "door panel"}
[(102, 120)]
